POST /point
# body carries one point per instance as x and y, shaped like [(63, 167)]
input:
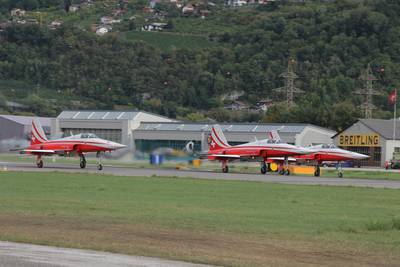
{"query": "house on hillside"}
[(188, 9), (232, 96), (264, 104), (235, 3), (178, 3), (204, 13), (55, 24), (106, 20), (103, 29), (239, 3), (155, 26), (237, 105), (74, 8), (16, 12), (148, 10)]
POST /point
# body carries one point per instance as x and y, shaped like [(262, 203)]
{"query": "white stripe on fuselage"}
[(84, 141)]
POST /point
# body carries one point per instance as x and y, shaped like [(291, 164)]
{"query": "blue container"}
[(156, 159)]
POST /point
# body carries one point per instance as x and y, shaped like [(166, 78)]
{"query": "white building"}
[(16, 12), (236, 3), (74, 8), (156, 26), (102, 30)]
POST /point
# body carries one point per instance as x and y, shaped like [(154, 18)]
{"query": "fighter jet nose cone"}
[(360, 156), (119, 146), (114, 145)]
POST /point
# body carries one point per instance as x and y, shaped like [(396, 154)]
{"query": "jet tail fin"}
[(217, 138), (37, 134), (274, 135)]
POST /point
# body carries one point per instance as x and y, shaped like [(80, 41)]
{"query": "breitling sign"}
[(370, 140)]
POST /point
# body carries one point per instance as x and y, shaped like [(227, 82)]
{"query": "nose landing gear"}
[(340, 170), (317, 171), (99, 165), (82, 162)]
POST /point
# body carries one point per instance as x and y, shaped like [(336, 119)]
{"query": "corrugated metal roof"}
[(229, 127), (98, 115), (383, 127), (27, 120)]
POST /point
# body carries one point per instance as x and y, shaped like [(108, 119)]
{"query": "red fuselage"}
[(79, 145), (260, 148)]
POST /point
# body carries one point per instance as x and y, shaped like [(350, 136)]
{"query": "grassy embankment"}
[(217, 222)]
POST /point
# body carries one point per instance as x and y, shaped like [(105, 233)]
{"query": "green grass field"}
[(166, 41), (218, 222)]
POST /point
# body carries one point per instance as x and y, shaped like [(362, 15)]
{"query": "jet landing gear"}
[(317, 171), (340, 170), (39, 161), (264, 167), (99, 165), (284, 168), (82, 162), (225, 168)]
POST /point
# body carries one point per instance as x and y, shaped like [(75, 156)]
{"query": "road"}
[(125, 171), (26, 255)]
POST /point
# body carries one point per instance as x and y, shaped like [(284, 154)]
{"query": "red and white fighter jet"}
[(77, 144), (329, 152), (253, 151)]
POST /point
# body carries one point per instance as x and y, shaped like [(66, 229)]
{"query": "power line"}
[(289, 76)]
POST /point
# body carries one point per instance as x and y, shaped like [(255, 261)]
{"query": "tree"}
[(67, 5)]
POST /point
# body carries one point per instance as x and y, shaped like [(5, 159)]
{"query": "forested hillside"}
[(245, 49)]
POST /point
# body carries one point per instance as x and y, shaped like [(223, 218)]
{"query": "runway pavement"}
[(125, 171), (26, 255)]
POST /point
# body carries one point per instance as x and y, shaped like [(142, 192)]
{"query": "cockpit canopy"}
[(82, 136), (270, 141), (329, 146), (88, 135)]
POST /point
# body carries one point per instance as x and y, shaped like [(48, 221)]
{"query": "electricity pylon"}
[(289, 87), (368, 92)]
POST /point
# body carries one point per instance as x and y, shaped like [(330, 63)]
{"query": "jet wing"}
[(225, 156), (45, 151)]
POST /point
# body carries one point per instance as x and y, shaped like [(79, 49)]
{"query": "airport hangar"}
[(143, 132), (373, 137)]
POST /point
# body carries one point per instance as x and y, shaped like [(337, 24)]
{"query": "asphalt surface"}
[(26, 255), (125, 171)]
